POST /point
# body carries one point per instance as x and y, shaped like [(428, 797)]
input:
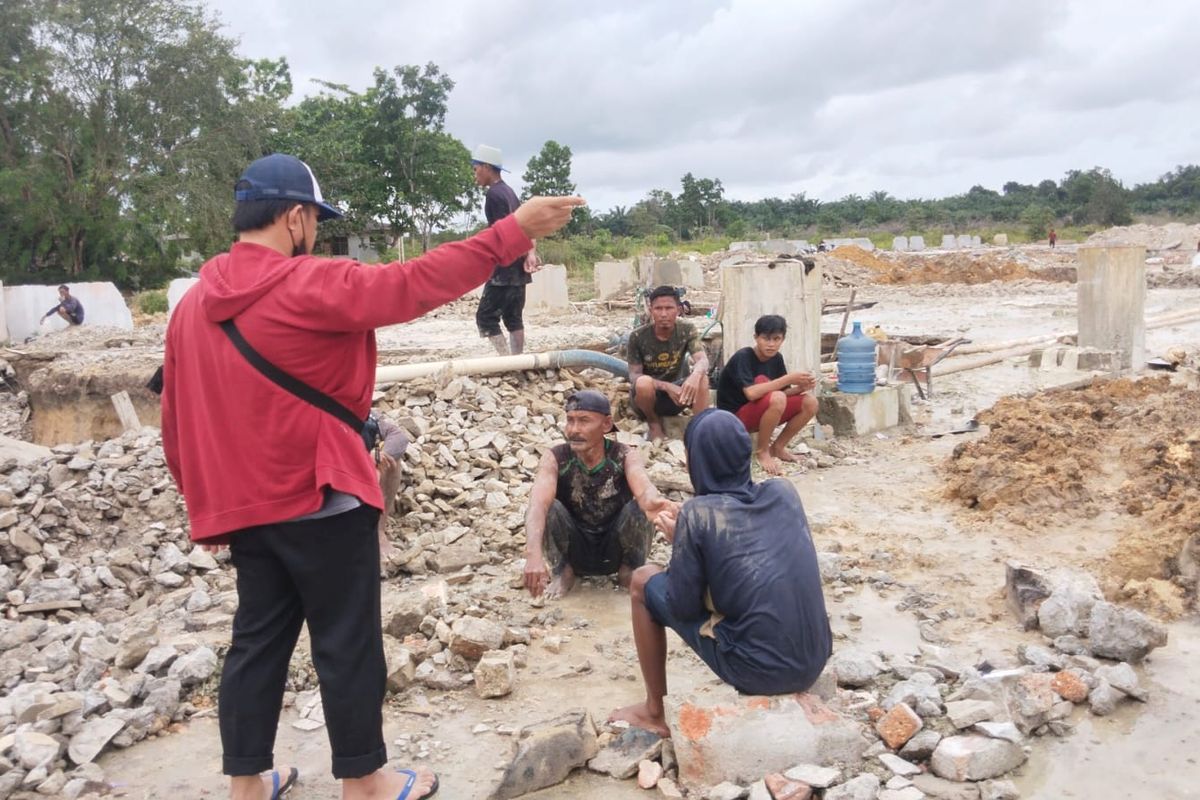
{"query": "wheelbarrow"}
[(914, 360)]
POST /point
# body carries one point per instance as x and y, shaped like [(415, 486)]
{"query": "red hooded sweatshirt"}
[(242, 450)]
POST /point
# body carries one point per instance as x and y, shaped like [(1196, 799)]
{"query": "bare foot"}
[(784, 454), (562, 585), (386, 548), (769, 463), (657, 432), (639, 717)]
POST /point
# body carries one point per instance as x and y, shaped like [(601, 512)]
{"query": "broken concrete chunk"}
[(1123, 634), (496, 674), (620, 757), (975, 758), (546, 753)]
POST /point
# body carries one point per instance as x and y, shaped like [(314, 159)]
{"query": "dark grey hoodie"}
[(748, 545)]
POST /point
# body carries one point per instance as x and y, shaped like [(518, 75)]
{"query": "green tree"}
[(124, 125), (549, 172)]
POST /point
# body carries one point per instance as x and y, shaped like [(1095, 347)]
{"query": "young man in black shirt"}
[(756, 386), (591, 504), (661, 383), (504, 294)]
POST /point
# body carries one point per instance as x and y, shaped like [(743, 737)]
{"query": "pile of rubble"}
[(1172, 236)]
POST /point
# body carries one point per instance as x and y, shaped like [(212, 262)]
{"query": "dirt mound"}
[(1130, 448), (857, 255), (1174, 235), (968, 268)]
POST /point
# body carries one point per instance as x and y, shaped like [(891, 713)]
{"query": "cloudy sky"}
[(923, 98)]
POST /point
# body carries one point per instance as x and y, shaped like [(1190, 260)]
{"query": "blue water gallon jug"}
[(856, 362)]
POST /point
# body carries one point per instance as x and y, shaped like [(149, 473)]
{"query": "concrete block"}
[(666, 272), (691, 274), (1112, 301), (976, 241), (801, 245), (25, 305), (864, 243), (788, 288), (860, 414), (1000, 240), (916, 243), (3, 321), (720, 735), (781, 247), (546, 753), (949, 242), (975, 758), (548, 292), (900, 244), (495, 674), (176, 289), (736, 246), (965, 241), (614, 278), (1062, 358)]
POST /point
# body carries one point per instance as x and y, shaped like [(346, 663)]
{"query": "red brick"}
[(898, 726), (1070, 687)]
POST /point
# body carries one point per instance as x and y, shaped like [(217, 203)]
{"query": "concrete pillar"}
[(548, 292), (783, 288), (965, 241), (1112, 301), (614, 278), (949, 242), (900, 244), (916, 243)]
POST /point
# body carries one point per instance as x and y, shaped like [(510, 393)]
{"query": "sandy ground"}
[(888, 512)]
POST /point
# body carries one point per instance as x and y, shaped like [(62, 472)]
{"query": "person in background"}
[(662, 384), (504, 294), (69, 308)]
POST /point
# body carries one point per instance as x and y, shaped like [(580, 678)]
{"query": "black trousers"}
[(324, 572), (626, 542), (498, 303)]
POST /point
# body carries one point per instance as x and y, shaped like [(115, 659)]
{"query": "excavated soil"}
[(1125, 449)]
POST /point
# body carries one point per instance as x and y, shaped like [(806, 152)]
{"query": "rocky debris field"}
[(1124, 447)]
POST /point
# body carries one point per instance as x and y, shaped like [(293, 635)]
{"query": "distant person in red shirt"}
[(1053, 237)]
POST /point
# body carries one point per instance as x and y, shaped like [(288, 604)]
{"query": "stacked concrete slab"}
[(24, 307)]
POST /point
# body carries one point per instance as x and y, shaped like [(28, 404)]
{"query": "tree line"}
[(124, 125)]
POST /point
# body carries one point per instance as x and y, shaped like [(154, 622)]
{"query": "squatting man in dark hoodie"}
[(289, 487)]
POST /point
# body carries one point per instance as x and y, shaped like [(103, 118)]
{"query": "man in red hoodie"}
[(289, 487)]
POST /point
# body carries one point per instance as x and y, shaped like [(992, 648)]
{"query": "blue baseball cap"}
[(283, 177)]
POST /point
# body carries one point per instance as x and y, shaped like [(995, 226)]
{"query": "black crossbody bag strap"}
[(289, 384)]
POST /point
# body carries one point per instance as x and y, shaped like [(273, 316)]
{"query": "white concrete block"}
[(864, 243), (900, 244), (916, 243), (692, 273), (176, 290), (548, 292), (3, 321), (964, 241), (786, 288), (666, 272), (949, 242), (614, 278), (24, 307), (778, 246), (736, 246), (1000, 240), (976, 241), (1112, 301), (861, 414)]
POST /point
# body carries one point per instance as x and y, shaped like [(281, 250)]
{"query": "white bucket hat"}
[(486, 154)]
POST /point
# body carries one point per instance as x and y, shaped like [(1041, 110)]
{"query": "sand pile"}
[(1127, 448)]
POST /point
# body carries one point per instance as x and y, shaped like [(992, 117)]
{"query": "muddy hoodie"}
[(243, 451), (743, 557)]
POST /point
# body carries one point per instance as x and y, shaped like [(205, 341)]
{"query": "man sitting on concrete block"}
[(743, 588), (756, 386), (591, 504), (661, 384)]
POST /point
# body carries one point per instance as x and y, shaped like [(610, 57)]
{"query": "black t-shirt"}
[(740, 371), (593, 497), (501, 201)]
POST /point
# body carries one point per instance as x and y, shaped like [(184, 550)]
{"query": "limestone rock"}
[(471, 637), (855, 668), (975, 758), (545, 754), (620, 757), (32, 749), (1122, 678), (864, 787), (496, 674), (648, 774), (194, 667), (815, 776), (726, 791), (965, 713), (92, 738), (921, 746), (1123, 634)]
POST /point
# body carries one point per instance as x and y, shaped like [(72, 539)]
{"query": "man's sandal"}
[(279, 789), (412, 779)]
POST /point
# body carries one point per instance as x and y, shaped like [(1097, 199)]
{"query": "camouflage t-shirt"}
[(594, 496), (664, 361)]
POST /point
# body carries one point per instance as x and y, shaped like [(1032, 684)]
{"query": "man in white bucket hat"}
[(504, 293)]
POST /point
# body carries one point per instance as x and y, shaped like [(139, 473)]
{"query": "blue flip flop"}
[(412, 779), (278, 789)]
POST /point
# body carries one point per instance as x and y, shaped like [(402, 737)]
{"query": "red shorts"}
[(751, 413)]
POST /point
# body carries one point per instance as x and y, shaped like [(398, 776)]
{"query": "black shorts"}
[(626, 543), (664, 406), (498, 303)]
